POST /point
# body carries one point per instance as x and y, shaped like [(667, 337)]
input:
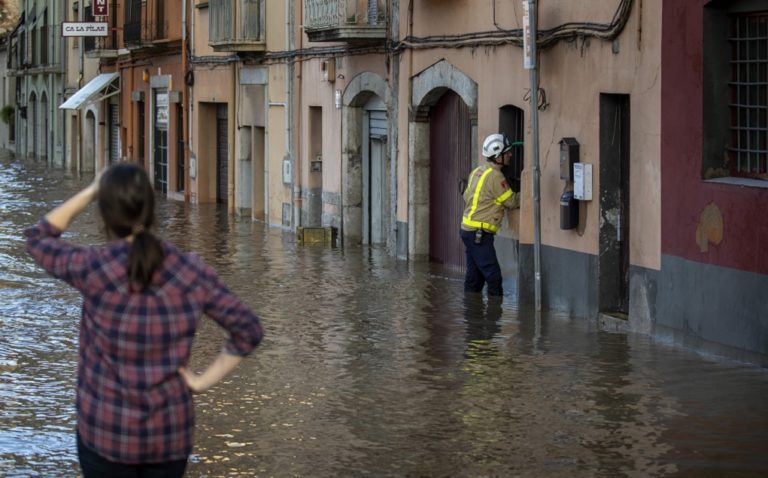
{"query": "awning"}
[(99, 88)]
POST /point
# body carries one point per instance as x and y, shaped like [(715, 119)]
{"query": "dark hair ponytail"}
[(127, 206), (146, 256)]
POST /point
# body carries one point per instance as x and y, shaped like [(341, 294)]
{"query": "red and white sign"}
[(100, 8)]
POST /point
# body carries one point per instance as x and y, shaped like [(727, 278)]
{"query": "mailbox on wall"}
[(569, 211), (569, 154)]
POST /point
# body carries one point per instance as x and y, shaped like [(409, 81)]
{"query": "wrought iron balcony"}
[(351, 21), (101, 47), (146, 25), (237, 25)]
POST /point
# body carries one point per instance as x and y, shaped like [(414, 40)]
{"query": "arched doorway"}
[(89, 142), (367, 189), (450, 163), (375, 173), (428, 88)]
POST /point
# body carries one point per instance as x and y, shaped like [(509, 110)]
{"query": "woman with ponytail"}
[(142, 298)]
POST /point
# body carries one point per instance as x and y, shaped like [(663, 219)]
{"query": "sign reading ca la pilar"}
[(84, 29)]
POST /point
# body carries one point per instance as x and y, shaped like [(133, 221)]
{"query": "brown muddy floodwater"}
[(375, 367)]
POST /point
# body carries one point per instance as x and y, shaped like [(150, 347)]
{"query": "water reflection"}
[(373, 366)]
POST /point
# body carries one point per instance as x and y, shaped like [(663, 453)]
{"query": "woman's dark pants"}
[(482, 264), (94, 466)]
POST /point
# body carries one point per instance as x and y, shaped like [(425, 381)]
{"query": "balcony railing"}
[(345, 20), (139, 34), (101, 47), (237, 25), (133, 14), (144, 25)]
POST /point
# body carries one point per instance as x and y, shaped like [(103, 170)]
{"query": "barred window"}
[(748, 88)]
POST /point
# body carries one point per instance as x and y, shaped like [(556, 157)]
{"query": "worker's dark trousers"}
[(482, 264)]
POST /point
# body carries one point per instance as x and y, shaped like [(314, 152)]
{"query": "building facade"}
[(150, 107), (38, 64), (84, 122), (240, 124), (367, 116), (7, 99), (708, 288), (674, 187)]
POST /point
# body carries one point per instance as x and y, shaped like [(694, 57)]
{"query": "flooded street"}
[(374, 367)]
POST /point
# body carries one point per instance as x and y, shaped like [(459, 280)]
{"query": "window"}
[(44, 38), (132, 25), (511, 123), (735, 90), (89, 43), (748, 150)]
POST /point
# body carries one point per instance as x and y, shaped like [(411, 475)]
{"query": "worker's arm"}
[(503, 194)]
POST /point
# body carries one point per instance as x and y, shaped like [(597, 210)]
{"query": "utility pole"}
[(531, 63)]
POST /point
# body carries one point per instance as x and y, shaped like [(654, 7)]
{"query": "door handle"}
[(462, 185)]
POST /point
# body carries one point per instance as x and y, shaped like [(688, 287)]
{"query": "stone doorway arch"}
[(427, 88), (362, 89)]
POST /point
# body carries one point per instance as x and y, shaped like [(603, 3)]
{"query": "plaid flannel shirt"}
[(132, 405)]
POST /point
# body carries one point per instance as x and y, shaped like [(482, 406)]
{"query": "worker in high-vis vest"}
[(488, 196)]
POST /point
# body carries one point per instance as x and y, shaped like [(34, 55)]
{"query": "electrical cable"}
[(568, 32)]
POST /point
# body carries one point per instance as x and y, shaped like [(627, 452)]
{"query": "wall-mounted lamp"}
[(337, 99), (145, 75)]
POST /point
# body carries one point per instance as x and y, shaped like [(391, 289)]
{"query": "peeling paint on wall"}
[(710, 227)]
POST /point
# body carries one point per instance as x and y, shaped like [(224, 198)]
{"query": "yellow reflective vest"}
[(486, 197)]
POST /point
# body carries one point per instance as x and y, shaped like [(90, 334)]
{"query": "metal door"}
[(32, 108), (180, 174), (161, 141), (375, 179), (613, 260), (450, 163), (222, 153), (45, 129), (140, 129)]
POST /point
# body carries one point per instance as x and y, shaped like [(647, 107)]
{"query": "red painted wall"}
[(684, 194)]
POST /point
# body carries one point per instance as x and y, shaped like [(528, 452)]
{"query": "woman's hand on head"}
[(93, 188), (62, 215)]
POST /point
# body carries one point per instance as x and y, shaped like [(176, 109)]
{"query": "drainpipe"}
[(290, 12), (233, 127), (297, 200), (190, 170), (394, 100), (184, 100)]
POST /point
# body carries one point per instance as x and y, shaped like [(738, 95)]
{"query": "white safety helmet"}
[(495, 145)]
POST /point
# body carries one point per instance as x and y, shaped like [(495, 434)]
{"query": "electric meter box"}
[(569, 154), (582, 181)]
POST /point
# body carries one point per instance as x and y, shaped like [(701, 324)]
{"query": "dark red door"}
[(450, 164)]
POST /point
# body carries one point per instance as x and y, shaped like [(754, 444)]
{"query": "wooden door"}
[(450, 138)]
